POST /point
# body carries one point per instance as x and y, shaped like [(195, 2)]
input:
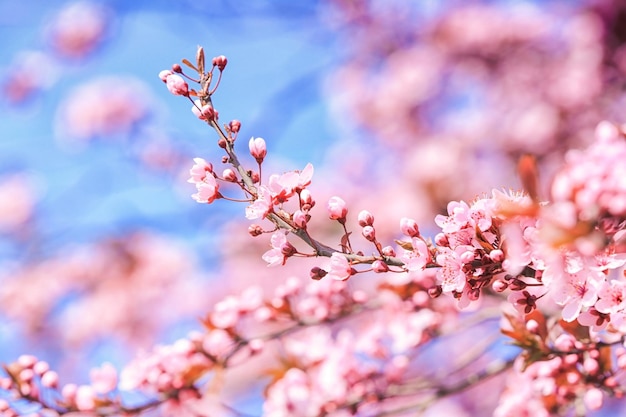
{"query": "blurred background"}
[(401, 106)]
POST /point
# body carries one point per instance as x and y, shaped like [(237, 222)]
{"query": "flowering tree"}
[(373, 318)]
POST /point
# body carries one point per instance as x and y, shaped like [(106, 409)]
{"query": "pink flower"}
[(575, 291), (337, 208), (261, 206), (416, 259), (286, 185), (612, 296), (208, 190), (177, 85), (258, 149), (450, 275), (457, 219), (199, 170), (340, 268), (281, 249)]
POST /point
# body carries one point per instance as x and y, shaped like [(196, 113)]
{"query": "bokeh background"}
[(401, 106)]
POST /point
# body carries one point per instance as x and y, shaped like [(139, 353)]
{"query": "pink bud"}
[(220, 62), (300, 219), (409, 227), (337, 209), (306, 200), (69, 392), (591, 366), (26, 375), (593, 399), (287, 249), (85, 398), (203, 112), (317, 273), (41, 367), (499, 285), (496, 255), (467, 257), (177, 85), (532, 326), (365, 218), (379, 266), (256, 346), (442, 240), (369, 233), (257, 149), (229, 175), (234, 126), (164, 74), (255, 230), (389, 251), (27, 361), (564, 342), (50, 379)]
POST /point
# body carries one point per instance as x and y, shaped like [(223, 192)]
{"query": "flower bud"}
[(164, 74), (50, 379), (300, 219), (379, 266), (317, 273), (365, 218), (255, 230), (306, 200), (177, 85), (176, 68), (234, 126), (220, 62), (409, 227), (258, 149), (204, 112), (369, 233), (337, 209), (389, 251), (229, 175)]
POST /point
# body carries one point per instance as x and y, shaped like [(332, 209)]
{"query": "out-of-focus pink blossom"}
[(85, 398), (79, 28), (104, 378), (103, 108), (17, 202)]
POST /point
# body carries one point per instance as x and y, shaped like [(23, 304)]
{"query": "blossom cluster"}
[(354, 338)]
